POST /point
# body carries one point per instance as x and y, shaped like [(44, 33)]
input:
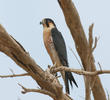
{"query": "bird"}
[(56, 48)]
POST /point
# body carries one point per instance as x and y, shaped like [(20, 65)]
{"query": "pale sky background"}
[(21, 19)]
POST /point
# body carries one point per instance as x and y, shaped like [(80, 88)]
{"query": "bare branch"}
[(76, 58), (89, 55), (16, 52), (87, 88), (14, 75), (90, 36), (100, 66), (74, 24), (93, 83), (78, 71), (26, 90), (96, 40)]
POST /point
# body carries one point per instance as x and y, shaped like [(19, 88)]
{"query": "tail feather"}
[(69, 78)]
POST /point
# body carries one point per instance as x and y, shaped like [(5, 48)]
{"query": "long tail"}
[(69, 78)]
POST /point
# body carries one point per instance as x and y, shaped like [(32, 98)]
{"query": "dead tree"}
[(50, 84)]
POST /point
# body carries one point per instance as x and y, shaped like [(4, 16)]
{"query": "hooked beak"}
[(41, 23)]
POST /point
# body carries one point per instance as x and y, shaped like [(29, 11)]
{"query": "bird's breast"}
[(48, 42)]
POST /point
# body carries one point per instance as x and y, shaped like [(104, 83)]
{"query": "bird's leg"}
[(52, 68), (55, 64)]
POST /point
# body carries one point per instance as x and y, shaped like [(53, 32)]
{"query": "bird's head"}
[(47, 22)]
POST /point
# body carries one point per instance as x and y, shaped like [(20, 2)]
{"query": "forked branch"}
[(74, 24), (17, 53)]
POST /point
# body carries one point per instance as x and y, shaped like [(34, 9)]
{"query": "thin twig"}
[(100, 66), (14, 75), (90, 35), (80, 72), (26, 90), (96, 40), (76, 57)]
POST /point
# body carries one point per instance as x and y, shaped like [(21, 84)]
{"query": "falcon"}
[(56, 48)]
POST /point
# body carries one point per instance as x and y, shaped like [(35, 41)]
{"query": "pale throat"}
[(48, 42), (47, 31)]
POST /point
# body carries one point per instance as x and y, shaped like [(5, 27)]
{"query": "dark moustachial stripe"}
[(49, 20), (47, 23)]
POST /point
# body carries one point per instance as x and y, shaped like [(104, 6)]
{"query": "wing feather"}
[(60, 46)]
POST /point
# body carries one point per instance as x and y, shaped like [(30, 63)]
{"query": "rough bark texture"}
[(48, 82), (74, 24), (45, 79)]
